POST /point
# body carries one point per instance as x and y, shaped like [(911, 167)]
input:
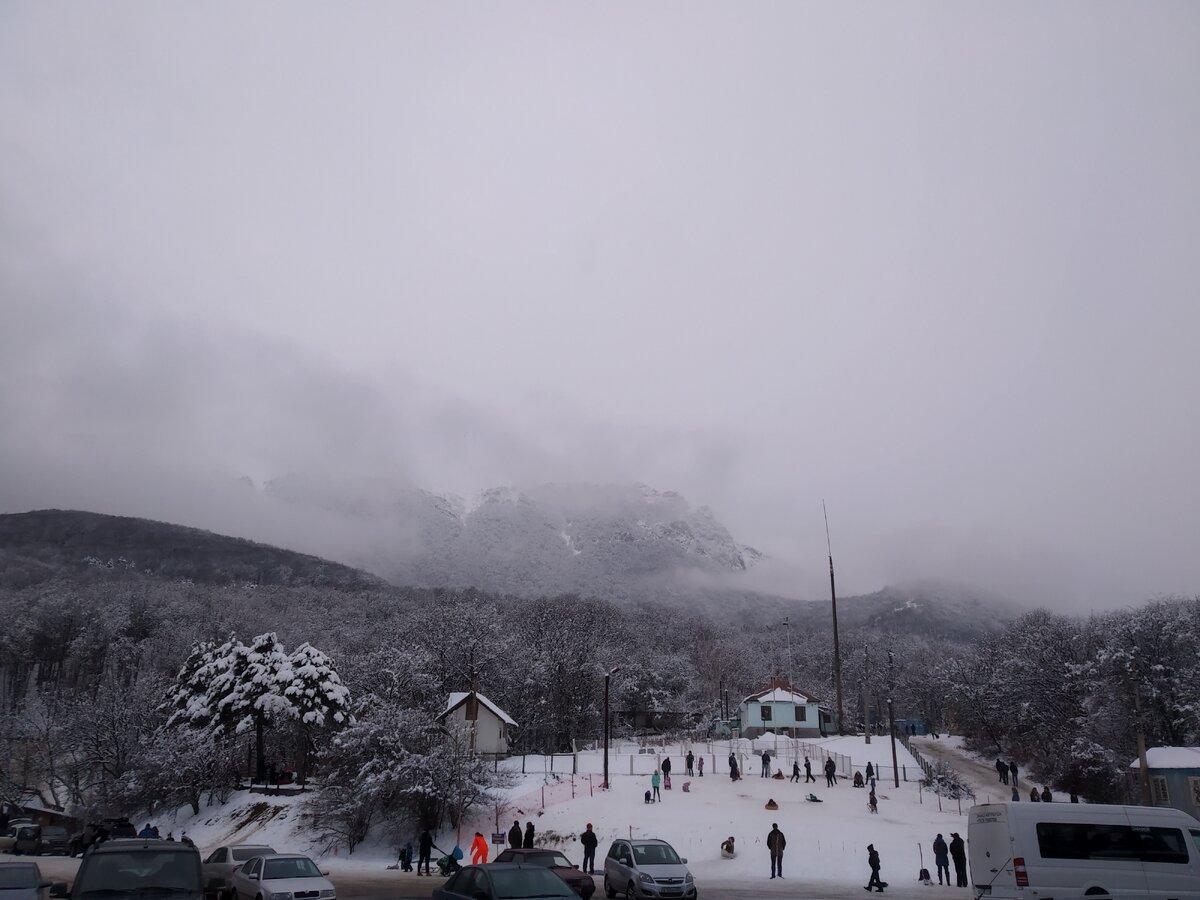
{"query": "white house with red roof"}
[(783, 710), (491, 723)]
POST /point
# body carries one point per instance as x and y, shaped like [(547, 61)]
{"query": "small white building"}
[(491, 723)]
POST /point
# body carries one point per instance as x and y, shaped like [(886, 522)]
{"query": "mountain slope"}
[(36, 546)]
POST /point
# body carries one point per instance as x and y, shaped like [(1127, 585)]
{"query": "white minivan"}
[(1066, 851)]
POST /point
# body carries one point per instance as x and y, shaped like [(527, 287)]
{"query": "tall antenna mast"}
[(837, 649)]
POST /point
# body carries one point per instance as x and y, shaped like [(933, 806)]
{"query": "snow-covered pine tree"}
[(318, 696)]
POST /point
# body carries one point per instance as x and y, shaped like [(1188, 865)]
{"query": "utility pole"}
[(867, 694), (473, 702), (1143, 766), (607, 679), (837, 650), (892, 728)]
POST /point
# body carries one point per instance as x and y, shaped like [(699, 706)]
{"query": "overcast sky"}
[(934, 263)]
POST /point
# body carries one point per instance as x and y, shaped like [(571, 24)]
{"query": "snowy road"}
[(980, 776), (409, 887)]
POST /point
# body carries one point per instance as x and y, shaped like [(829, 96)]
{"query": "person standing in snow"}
[(701, 761), (589, 841), (1046, 796), (479, 850), (766, 764), (528, 845), (775, 844), (732, 767), (514, 836), (873, 862), (830, 772), (1033, 795), (795, 771), (666, 766), (870, 771), (424, 850), (958, 853), (655, 781), (1012, 769), (941, 858), (690, 762), (808, 775), (1002, 770), (1016, 795)]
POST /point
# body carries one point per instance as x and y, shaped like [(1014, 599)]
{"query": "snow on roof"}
[(1170, 758), (779, 695), (459, 697)]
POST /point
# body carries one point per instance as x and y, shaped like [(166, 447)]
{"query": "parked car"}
[(22, 838), (502, 881), (281, 875), (580, 882), (646, 869), (54, 840), (22, 881), (143, 868), (224, 861)]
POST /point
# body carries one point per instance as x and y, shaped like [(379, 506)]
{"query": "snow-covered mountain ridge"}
[(544, 539)]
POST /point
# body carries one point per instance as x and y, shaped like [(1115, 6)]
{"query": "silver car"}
[(224, 861), (646, 870)]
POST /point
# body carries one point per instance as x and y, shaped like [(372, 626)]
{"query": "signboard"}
[(499, 837)]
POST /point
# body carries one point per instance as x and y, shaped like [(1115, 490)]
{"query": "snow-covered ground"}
[(826, 841)]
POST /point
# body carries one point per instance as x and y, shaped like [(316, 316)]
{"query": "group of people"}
[(1005, 769), (942, 854)]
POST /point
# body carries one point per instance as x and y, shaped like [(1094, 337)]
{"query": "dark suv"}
[(124, 868)]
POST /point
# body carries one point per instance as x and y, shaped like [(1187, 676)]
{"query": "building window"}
[(766, 713), (801, 712), (1158, 790)]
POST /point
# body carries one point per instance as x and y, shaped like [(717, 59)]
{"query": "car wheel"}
[(608, 891), (631, 892)]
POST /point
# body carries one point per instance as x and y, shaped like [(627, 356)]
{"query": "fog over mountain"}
[(305, 275)]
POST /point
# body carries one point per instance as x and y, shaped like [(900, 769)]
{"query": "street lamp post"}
[(892, 728), (607, 679)]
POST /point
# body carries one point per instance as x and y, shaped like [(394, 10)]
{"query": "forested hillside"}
[(88, 650)]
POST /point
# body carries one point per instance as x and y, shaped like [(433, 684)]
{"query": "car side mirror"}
[(573, 866), (683, 859), (59, 889), (325, 872)]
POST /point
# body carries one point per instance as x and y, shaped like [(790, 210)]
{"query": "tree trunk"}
[(260, 754)]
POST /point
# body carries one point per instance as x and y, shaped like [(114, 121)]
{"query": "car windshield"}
[(241, 854), (547, 858), (654, 855), (512, 883), (19, 876), (138, 870), (290, 867)]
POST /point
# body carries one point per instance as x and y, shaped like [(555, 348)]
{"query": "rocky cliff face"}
[(549, 539)]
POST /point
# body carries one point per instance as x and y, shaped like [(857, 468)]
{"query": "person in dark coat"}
[(1002, 770), (732, 767), (870, 771), (1012, 770), (958, 853), (830, 772), (514, 836), (666, 766), (1033, 795), (589, 840), (1016, 796), (873, 862), (766, 765), (1046, 795), (528, 845), (775, 844), (795, 771), (808, 775), (425, 850), (690, 762), (941, 858)]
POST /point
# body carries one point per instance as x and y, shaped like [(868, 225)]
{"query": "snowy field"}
[(826, 841)]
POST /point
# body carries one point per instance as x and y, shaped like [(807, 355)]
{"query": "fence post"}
[(522, 763), (543, 797), (904, 769)]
